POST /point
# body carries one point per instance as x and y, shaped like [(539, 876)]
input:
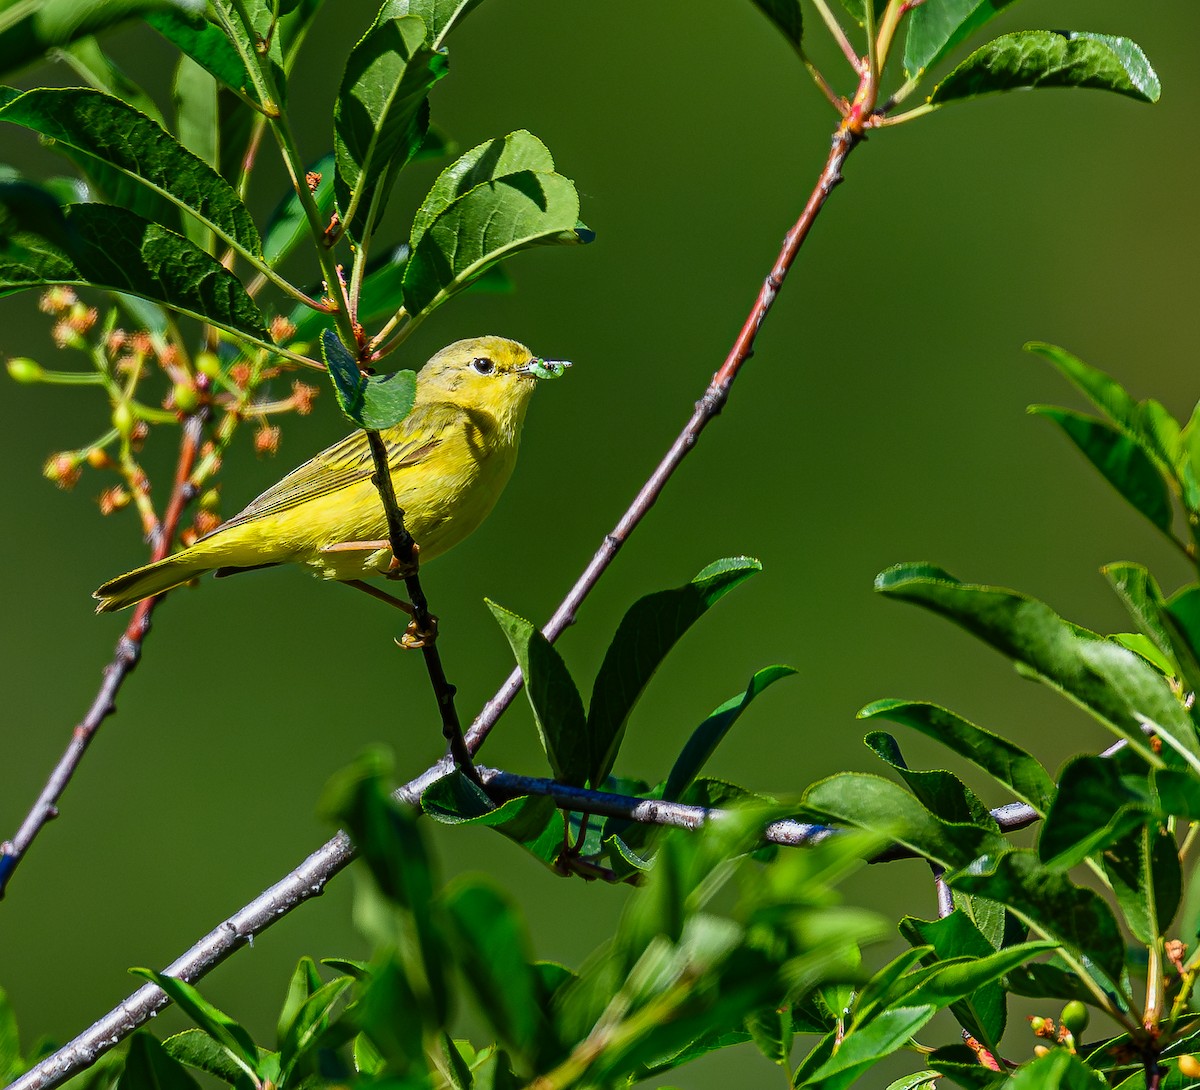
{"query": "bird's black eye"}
[(483, 365)]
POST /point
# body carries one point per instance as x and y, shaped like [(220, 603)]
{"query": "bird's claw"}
[(400, 569), (417, 636)]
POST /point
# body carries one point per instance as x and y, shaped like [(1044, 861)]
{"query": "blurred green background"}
[(882, 419)]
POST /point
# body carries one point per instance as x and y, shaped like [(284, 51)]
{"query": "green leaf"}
[(440, 15), (1115, 685), (197, 1049), (10, 1041), (369, 401), (501, 197), (381, 116), (557, 706), (1121, 461), (706, 737), (1058, 1069), (1005, 762), (230, 1035), (252, 28), (1143, 869), (29, 30), (787, 17), (646, 634), (148, 1064), (858, 9), (99, 126), (1052, 981), (1047, 900), (533, 821), (307, 1027), (934, 29), (207, 45), (1146, 421), (939, 791), (111, 248), (382, 292), (97, 69), (492, 948), (1140, 593), (981, 1012), (392, 847), (863, 1048), (1095, 807), (288, 225), (773, 1032), (305, 980), (1049, 58)]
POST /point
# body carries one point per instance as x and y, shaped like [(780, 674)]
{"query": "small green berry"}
[(1075, 1017), (209, 363), (23, 369), (123, 420)]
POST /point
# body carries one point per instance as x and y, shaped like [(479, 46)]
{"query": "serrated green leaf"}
[(29, 30), (981, 1012), (871, 802), (198, 126), (101, 127), (1114, 684), (230, 1035), (381, 116), (501, 197), (369, 401), (1121, 461), (1143, 869), (934, 29), (533, 821), (772, 1032), (251, 25), (108, 247), (440, 15), (1050, 981), (288, 225), (307, 1026), (939, 791), (862, 1049), (1004, 761), (1048, 901), (787, 17), (205, 44), (1058, 1069), (147, 1064), (197, 1049), (1165, 628), (553, 696), (1095, 807), (1047, 58), (646, 634)]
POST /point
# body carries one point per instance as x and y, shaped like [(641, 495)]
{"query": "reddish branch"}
[(125, 658)]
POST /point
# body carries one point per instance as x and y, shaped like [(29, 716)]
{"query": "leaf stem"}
[(839, 35)]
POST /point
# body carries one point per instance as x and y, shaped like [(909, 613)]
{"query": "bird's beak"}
[(540, 368)]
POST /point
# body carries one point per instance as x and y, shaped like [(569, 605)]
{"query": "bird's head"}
[(489, 374)]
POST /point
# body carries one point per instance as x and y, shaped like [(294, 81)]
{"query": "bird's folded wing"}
[(345, 463)]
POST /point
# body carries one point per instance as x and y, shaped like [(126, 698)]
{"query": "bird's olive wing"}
[(345, 463)]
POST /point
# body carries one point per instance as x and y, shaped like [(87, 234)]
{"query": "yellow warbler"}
[(450, 459)]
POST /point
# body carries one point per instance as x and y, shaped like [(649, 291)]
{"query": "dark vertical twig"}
[(405, 551), (125, 658)]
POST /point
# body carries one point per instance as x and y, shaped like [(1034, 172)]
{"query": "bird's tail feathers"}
[(152, 579)]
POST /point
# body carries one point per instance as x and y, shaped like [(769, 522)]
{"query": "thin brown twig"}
[(125, 658), (404, 550), (311, 877)]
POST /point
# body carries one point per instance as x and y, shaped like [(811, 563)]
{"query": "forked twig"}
[(125, 658)]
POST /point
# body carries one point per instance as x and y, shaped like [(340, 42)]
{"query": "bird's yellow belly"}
[(442, 505)]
